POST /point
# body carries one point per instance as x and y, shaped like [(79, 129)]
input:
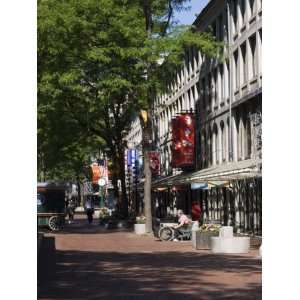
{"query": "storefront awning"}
[(219, 175)]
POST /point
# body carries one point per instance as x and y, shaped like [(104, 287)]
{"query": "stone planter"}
[(233, 245), (140, 228), (202, 240)]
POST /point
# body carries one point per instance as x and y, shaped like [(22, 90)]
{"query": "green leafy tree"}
[(99, 63), (88, 72)]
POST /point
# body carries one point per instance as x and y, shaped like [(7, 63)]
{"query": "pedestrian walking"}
[(89, 206), (71, 210)]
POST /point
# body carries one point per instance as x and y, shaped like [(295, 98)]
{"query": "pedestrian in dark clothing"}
[(71, 210), (89, 210)]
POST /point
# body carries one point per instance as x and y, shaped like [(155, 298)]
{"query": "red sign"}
[(183, 141), (154, 162), (97, 173)]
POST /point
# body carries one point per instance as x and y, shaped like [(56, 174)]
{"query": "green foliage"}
[(99, 63)]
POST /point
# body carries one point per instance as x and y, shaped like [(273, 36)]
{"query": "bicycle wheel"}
[(165, 233)]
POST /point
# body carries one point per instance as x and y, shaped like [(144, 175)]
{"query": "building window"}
[(215, 146), (241, 140), (259, 48), (210, 153), (243, 10), (221, 27), (222, 83), (243, 64), (248, 138), (226, 80), (228, 141), (214, 29), (204, 150), (234, 13), (252, 61), (236, 70), (209, 91), (251, 3), (215, 87), (223, 141)]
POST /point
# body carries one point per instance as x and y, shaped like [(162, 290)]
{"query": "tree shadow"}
[(156, 275), (82, 227)]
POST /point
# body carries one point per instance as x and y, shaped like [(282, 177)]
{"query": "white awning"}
[(218, 174)]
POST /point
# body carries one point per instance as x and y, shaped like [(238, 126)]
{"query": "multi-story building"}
[(225, 98)]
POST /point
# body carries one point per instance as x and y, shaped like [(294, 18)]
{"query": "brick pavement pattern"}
[(89, 262)]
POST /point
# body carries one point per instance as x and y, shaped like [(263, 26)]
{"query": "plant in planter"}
[(140, 220), (201, 237), (103, 216), (140, 225)]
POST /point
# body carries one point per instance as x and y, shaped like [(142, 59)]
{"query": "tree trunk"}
[(79, 191), (147, 192), (147, 132)]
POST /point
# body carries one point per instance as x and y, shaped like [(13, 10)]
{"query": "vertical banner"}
[(183, 141), (131, 157), (154, 157), (96, 173)]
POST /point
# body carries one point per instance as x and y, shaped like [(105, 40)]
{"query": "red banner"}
[(154, 162), (183, 141), (97, 173)]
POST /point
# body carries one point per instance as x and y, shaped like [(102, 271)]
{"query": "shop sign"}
[(183, 141), (131, 157), (96, 173), (196, 186), (154, 157)]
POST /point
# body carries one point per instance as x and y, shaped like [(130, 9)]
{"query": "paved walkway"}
[(87, 262)]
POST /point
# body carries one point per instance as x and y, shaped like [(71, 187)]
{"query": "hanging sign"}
[(196, 186), (131, 157), (154, 162), (96, 173), (183, 141)]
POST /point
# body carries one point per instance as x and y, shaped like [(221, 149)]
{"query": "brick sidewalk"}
[(92, 263)]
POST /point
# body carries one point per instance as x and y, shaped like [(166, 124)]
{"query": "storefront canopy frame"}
[(222, 173)]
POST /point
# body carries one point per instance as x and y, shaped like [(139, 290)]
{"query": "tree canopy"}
[(99, 63)]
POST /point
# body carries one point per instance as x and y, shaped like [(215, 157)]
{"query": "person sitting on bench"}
[(183, 221)]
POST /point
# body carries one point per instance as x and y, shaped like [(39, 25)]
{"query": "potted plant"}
[(201, 237), (140, 226), (103, 216)]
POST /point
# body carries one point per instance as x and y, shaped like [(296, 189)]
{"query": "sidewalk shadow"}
[(158, 275), (46, 261)]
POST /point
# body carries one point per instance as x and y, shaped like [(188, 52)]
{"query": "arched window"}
[(209, 147), (223, 141), (204, 158), (241, 139), (228, 141), (248, 139), (215, 146)]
